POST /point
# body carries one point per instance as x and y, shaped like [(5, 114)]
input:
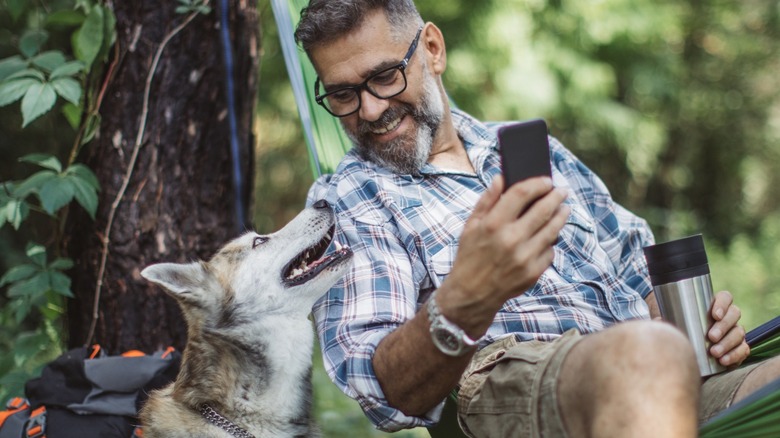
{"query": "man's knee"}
[(627, 359), (638, 368), (646, 348)]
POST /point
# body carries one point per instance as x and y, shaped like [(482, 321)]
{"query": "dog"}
[(246, 368)]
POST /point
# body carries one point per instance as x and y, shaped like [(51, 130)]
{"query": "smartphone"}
[(524, 150)]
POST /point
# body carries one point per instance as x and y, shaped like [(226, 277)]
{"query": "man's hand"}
[(728, 337), (502, 252)]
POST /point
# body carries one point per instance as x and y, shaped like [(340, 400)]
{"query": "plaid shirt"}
[(404, 231)]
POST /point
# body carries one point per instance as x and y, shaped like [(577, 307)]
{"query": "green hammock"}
[(756, 416)]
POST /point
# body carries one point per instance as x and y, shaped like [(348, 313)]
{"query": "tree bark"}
[(179, 203)]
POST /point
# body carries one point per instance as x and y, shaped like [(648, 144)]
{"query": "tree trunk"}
[(179, 203)]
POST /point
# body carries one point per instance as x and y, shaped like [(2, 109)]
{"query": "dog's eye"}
[(259, 240)]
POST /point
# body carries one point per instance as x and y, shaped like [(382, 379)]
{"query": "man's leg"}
[(766, 372), (635, 379), (722, 390)]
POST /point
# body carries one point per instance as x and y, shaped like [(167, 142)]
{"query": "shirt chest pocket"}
[(577, 245), (440, 262)]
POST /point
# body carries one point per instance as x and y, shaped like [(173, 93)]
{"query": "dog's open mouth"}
[(311, 262)]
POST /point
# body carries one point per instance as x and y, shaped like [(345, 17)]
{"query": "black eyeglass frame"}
[(401, 66)]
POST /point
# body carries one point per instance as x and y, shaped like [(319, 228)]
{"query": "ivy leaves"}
[(31, 283), (53, 186), (39, 78)]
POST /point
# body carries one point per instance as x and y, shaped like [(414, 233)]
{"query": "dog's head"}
[(284, 272)]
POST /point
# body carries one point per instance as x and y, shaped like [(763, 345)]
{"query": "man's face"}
[(396, 133)]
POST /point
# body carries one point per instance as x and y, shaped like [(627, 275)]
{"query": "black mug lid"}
[(676, 260)]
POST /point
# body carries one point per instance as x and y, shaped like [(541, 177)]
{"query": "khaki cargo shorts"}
[(510, 389)]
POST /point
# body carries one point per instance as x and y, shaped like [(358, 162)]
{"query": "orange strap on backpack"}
[(14, 405)]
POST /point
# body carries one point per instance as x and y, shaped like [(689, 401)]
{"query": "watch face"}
[(447, 341)]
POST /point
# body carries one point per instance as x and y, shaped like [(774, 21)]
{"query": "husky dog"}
[(246, 370)]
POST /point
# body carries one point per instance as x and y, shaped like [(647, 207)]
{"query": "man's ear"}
[(433, 43), (182, 281)]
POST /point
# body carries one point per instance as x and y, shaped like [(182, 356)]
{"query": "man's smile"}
[(388, 128)]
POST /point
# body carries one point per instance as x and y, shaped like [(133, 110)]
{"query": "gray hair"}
[(324, 21)]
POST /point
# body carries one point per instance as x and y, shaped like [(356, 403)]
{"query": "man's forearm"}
[(415, 376)]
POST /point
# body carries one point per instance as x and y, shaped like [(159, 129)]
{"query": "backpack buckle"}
[(36, 425)]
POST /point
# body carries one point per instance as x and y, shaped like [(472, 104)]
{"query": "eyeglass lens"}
[(384, 85)]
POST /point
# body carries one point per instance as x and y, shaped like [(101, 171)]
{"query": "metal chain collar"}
[(215, 418)]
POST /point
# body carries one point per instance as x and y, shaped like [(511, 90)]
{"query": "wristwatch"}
[(447, 337)]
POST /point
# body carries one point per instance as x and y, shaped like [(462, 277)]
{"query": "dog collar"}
[(217, 419)]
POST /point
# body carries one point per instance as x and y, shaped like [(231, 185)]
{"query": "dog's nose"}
[(321, 204)]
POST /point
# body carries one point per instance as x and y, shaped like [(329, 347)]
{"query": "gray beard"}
[(404, 155)]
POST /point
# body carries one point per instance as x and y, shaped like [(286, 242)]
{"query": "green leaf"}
[(38, 100), (16, 8), (14, 212), (31, 287), (9, 66), (109, 32), (44, 160), (32, 41), (13, 90), (88, 40), (68, 88), (72, 114), (84, 173), (33, 183), (84, 5), (63, 264), (36, 253), (27, 73), (55, 194), (49, 61), (21, 308), (65, 18), (68, 69), (60, 283), (18, 273), (86, 195), (28, 345)]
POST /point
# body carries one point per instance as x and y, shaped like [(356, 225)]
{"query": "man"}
[(557, 299)]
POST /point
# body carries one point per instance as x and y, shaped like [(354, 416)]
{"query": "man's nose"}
[(371, 107)]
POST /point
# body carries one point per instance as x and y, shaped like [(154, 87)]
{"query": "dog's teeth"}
[(337, 245)]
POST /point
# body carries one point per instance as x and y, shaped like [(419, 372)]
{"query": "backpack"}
[(86, 393)]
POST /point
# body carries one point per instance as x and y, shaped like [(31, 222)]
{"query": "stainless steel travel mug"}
[(680, 276)]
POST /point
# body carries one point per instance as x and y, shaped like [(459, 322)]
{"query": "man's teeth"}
[(388, 128)]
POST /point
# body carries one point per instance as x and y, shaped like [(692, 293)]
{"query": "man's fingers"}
[(538, 249), (720, 304), (733, 339), (541, 213), (521, 195), (489, 198), (735, 356), (727, 322)]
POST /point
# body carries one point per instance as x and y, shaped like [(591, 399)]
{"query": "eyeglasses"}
[(386, 83)]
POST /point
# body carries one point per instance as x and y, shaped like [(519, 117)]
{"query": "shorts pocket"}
[(508, 383)]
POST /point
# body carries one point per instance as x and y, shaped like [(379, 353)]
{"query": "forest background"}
[(676, 105)]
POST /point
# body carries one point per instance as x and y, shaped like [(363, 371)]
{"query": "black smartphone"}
[(524, 150)]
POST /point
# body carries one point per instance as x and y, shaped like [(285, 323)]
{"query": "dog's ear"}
[(183, 281)]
